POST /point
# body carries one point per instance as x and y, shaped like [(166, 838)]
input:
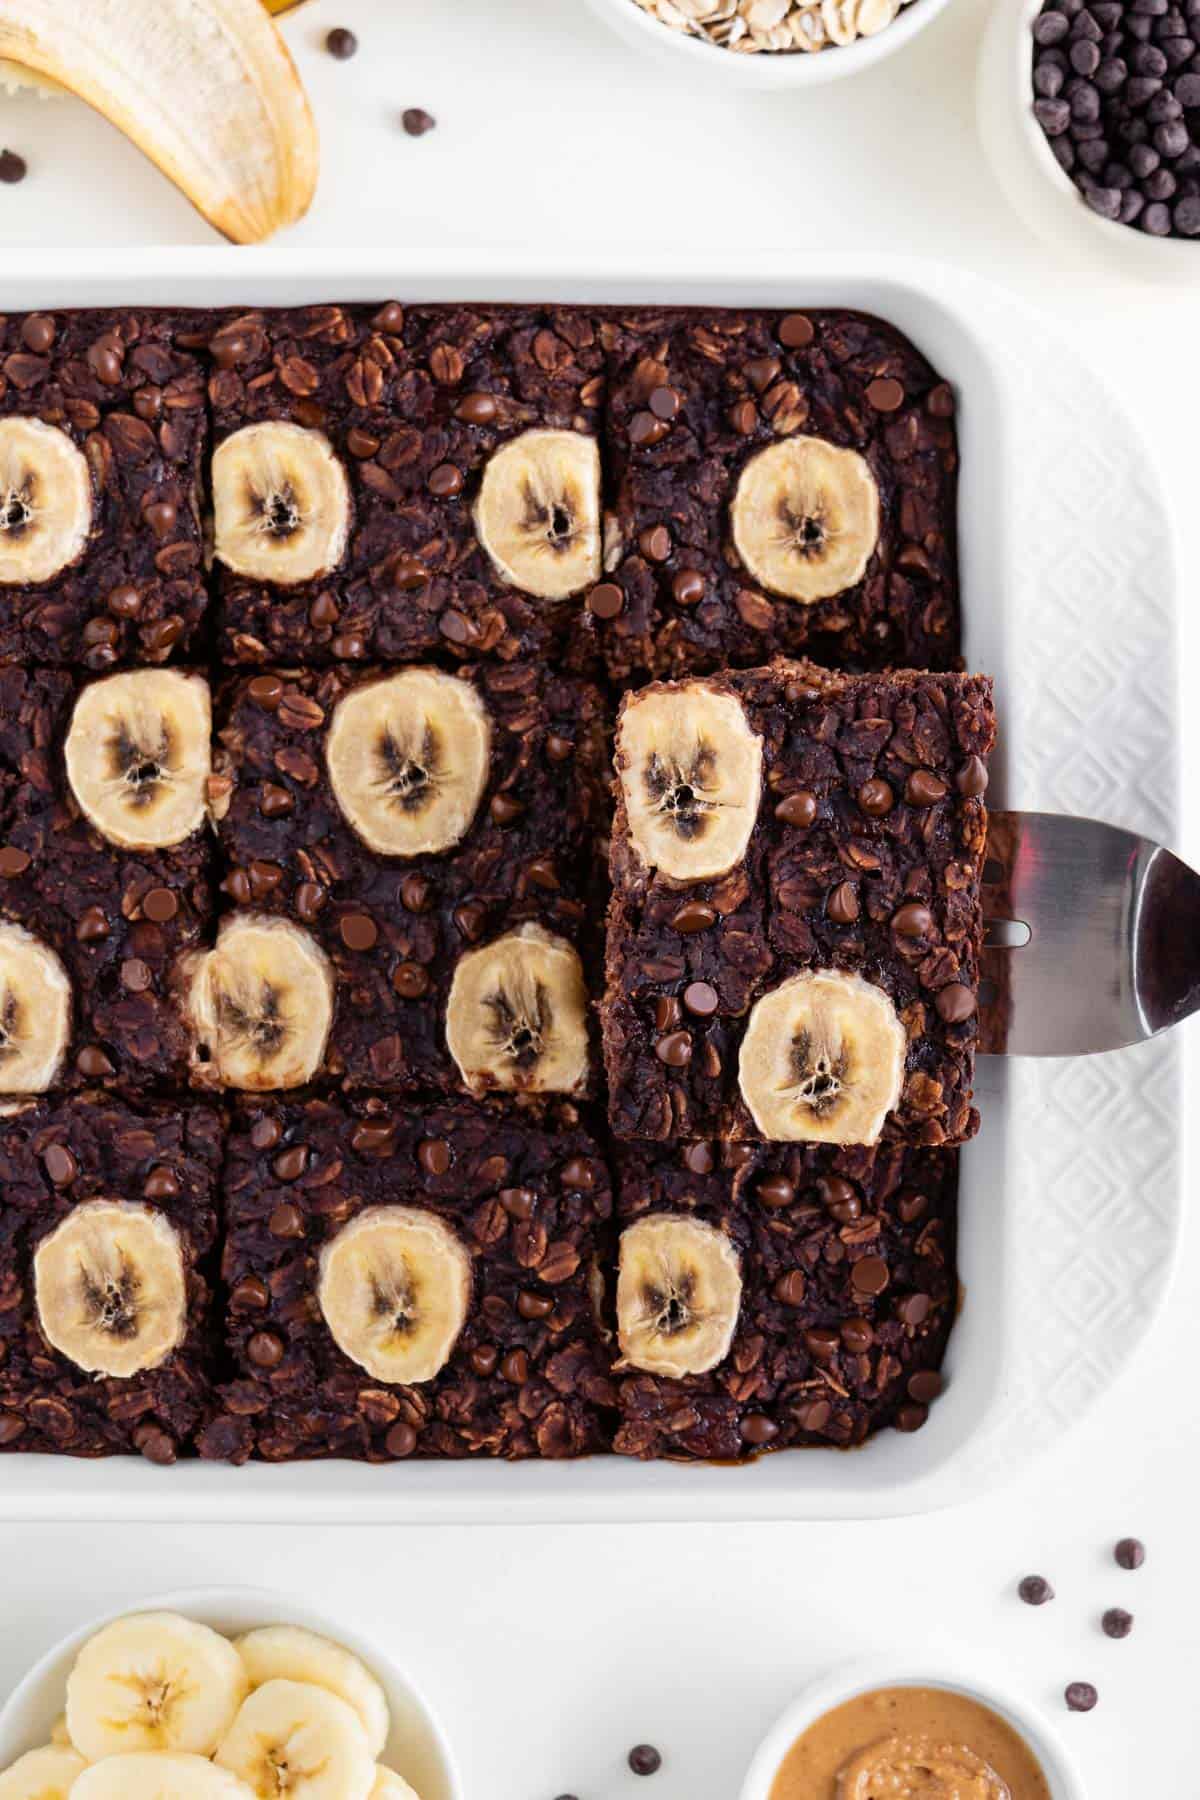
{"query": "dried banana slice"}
[(139, 755), (35, 1012), (46, 502), (408, 760), (538, 512), (261, 1004), (679, 1292), (394, 1289), (691, 774), (281, 503), (805, 518), (111, 1291), (517, 1015), (822, 1060)]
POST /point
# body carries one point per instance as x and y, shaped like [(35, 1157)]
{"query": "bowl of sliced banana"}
[(220, 1694)]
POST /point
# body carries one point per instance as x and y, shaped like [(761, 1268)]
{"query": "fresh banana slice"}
[(289, 1653), (394, 1288), (154, 1681), (261, 1004), (538, 512), (35, 1012), (517, 1015), (691, 774), (139, 755), (806, 518), (47, 1774), (145, 1775), (294, 1739), (45, 502), (408, 760), (281, 503), (111, 1293), (205, 88), (822, 1060), (679, 1291), (60, 1737), (388, 1786)]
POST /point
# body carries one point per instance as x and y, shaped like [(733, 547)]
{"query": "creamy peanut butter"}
[(910, 1743)]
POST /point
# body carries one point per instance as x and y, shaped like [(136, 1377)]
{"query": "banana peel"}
[(205, 88)]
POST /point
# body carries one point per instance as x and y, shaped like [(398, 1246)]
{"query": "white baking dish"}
[(1078, 631)]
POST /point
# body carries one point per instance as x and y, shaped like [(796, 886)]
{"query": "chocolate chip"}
[(955, 1003), (693, 916), (1130, 1553), (433, 1154), (341, 43), (477, 409), (416, 121), (266, 691), (664, 403), (885, 394), (38, 333), (701, 998), (13, 168), (484, 1358), (972, 779), (161, 1184), (655, 543), (840, 1199), (940, 401), (924, 1385), (791, 1288), (699, 1159), (415, 893), (743, 417), (160, 905), (265, 1132), (410, 981), (309, 900), (912, 921), (799, 809), (94, 1064), (688, 587), (911, 1417), (924, 788), (606, 601), (515, 1367), (125, 602), (470, 919), (1117, 1623), (13, 861), (505, 809), (136, 975), (668, 1012), (11, 1428), (558, 748), (796, 331), (265, 1350), (842, 905), (286, 1221), (822, 1343), (914, 1309), (776, 1191), (249, 1295), (1081, 1696), (755, 1429), (876, 799), (857, 1335), (645, 430), (534, 1306), (675, 1050), (401, 1440), (290, 1164), (358, 931), (60, 1165), (155, 1444), (445, 481), (372, 1139), (870, 1276), (579, 1173)]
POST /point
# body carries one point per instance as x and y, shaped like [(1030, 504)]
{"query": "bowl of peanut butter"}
[(905, 1728)]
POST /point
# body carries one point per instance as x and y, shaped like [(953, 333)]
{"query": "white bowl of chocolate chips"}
[(1089, 111)]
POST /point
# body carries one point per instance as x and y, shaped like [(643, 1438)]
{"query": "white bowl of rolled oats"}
[(770, 43)]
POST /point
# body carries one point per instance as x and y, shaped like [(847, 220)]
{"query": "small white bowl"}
[(911, 1668), (769, 69), (1036, 185), (417, 1748)]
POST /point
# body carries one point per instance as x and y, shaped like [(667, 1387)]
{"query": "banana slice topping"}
[(291, 1739), (517, 1015), (111, 1290), (822, 1060), (143, 1775), (261, 1004), (679, 1291), (394, 1289), (691, 775), (290, 1653), (408, 760), (805, 518), (35, 1012), (45, 502), (538, 513), (138, 756), (47, 1774), (151, 1682), (281, 503)]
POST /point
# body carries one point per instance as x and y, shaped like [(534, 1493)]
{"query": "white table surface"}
[(549, 1652)]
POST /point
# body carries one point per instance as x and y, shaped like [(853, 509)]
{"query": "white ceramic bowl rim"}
[(939, 1667), (776, 68), (248, 1605), (1116, 235)]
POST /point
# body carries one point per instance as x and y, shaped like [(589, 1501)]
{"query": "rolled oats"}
[(776, 25)]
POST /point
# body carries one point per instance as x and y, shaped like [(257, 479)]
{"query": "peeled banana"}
[(281, 503), (35, 1012), (679, 1292), (295, 1739), (517, 1015), (48, 1774), (538, 512), (260, 1004), (394, 1290), (822, 1059), (154, 1681), (805, 518), (691, 775), (46, 502), (111, 1291), (138, 756), (290, 1653)]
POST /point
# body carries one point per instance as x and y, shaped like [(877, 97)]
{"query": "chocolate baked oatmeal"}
[(395, 482), (783, 483), (435, 836), (108, 1222), (771, 1296), (794, 933), (103, 436), (105, 873), (424, 1282)]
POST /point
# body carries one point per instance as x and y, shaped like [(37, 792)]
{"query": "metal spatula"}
[(1093, 937)]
